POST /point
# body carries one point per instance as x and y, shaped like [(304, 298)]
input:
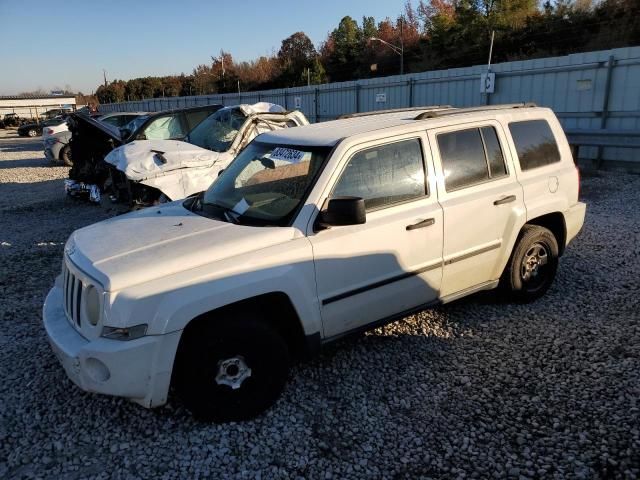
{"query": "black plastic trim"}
[(472, 254), (381, 322), (381, 283)]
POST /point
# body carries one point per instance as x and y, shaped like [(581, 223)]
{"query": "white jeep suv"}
[(312, 233)]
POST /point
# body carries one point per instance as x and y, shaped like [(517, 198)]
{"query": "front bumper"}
[(138, 369), (50, 155)]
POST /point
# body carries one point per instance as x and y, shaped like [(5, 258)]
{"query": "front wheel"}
[(533, 264), (65, 156), (231, 369), (32, 132)]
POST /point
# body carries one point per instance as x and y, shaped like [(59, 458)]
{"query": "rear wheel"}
[(533, 264), (32, 132), (232, 369), (65, 156)]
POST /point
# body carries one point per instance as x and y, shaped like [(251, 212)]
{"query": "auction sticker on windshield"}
[(287, 154)]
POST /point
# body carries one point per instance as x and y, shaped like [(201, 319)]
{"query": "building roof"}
[(34, 97)]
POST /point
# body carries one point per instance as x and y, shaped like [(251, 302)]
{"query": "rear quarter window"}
[(535, 144)]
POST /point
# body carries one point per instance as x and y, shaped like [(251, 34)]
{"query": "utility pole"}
[(401, 45), (104, 75), (222, 58), (489, 79), (493, 33)]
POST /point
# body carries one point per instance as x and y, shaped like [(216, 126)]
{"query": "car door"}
[(482, 203), (391, 263)]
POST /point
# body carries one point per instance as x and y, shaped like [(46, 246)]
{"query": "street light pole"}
[(401, 46), (398, 50)]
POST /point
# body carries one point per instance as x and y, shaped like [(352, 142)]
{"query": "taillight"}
[(49, 131)]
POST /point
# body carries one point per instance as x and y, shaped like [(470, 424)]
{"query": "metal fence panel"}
[(593, 90)]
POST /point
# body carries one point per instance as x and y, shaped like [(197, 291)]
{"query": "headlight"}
[(124, 333), (92, 305)]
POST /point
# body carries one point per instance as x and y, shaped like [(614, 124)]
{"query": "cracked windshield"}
[(266, 182), (218, 131)]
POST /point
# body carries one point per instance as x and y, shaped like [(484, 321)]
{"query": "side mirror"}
[(343, 211)]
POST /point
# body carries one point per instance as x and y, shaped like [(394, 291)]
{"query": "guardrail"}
[(601, 138), (604, 138)]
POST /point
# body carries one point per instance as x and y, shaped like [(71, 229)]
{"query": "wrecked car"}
[(92, 140), (163, 170)]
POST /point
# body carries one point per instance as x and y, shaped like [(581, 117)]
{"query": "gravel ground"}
[(475, 389)]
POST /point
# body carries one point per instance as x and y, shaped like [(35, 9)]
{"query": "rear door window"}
[(463, 159), (535, 144), (470, 156), (495, 159)]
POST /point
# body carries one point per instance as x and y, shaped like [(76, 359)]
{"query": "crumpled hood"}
[(140, 160), (157, 242)]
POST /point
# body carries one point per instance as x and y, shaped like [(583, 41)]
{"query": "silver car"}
[(57, 148)]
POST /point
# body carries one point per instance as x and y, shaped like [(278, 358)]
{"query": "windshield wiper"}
[(196, 203), (229, 213)]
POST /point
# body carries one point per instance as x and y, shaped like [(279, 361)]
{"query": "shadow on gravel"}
[(16, 196), (26, 163), (592, 193), (28, 146)]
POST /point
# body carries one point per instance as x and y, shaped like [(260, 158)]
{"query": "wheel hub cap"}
[(232, 372), (535, 258)]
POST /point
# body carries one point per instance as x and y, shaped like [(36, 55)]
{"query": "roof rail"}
[(456, 111), (392, 110)]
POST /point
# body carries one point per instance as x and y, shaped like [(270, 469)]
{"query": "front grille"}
[(72, 289)]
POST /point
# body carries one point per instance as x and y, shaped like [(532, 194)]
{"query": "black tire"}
[(65, 156), (32, 132), (235, 342), (526, 278)]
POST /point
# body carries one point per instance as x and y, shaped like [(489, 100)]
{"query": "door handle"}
[(502, 201), (421, 224)]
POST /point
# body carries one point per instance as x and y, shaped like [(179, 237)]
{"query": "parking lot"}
[(475, 389)]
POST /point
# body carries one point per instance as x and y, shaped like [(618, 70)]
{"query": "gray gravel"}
[(476, 389)]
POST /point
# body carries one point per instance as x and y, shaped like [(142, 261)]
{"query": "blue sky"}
[(54, 43)]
